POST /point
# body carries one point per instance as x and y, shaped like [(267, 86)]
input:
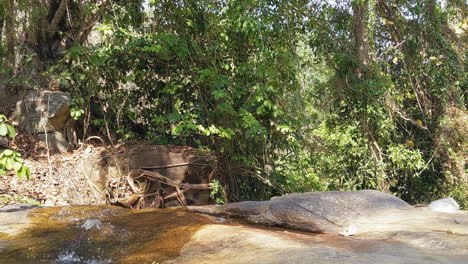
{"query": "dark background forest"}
[(291, 96)]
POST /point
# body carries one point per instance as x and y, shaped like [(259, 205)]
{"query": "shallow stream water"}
[(106, 234), (99, 235)]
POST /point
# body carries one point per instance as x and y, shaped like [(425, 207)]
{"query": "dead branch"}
[(177, 165), (154, 199), (200, 186)]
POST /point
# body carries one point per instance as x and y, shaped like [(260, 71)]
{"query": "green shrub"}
[(10, 159)]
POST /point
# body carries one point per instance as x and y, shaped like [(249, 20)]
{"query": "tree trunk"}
[(362, 52), (10, 32), (361, 41), (2, 22), (61, 24)]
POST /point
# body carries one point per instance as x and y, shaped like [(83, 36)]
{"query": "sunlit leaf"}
[(3, 129)]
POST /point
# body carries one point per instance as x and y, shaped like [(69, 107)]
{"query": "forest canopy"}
[(290, 95)]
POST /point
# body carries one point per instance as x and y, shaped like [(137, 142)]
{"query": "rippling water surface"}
[(100, 235)]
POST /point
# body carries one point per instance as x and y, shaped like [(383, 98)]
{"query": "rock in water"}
[(447, 205), (320, 212)]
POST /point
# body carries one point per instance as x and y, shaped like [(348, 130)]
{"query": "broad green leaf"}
[(3, 129), (11, 131), (17, 166), (21, 173), (8, 164), (7, 153), (27, 172)]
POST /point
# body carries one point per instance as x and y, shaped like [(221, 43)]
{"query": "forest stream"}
[(234, 131), (107, 234)]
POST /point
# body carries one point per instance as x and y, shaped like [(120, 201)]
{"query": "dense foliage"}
[(290, 95), (10, 159)]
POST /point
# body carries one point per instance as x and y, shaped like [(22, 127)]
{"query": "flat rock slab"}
[(240, 244), (14, 218), (319, 212)]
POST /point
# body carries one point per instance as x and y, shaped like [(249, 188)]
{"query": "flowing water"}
[(106, 234), (100, 235)]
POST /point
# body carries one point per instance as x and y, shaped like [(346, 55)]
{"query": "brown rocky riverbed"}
[(105, 234)]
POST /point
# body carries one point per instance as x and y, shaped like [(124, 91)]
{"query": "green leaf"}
[(155, 48), (21, 172), (7, 152), (3, 129), (17, 166), (11, 131), (8, 164), (27, 172), (219, 94)]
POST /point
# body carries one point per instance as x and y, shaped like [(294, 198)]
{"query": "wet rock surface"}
[(105, 234), (320, 212)]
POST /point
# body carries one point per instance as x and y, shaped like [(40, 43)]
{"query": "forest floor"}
[(47, 185)]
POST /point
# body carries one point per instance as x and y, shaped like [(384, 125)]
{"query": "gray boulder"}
[(447, 205), (55, 140), (320, 212), (7, 97), (42, 111), (47, 114)]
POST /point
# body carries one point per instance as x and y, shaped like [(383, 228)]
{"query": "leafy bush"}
[(202, 84), (10, 159), (285, 98)]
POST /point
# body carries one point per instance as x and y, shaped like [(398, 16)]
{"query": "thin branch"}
[(177, 165), (411, 121)]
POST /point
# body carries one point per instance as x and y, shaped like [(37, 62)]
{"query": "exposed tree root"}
[(153, 190)]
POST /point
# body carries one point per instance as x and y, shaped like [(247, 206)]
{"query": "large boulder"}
[(47, 114), (6, 96), (13, 218), (43, 111), (320, 212)]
